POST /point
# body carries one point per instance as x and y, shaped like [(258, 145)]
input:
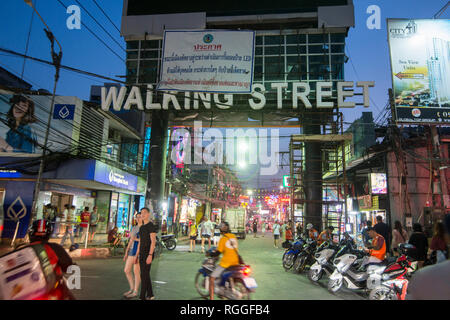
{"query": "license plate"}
[(250, 283)]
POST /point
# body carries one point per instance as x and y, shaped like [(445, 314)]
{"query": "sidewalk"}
[(98, 249)]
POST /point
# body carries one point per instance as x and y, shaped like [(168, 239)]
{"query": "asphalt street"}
[(173, 275)]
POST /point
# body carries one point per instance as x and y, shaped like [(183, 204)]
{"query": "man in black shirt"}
[(383, 229), (145, 253)]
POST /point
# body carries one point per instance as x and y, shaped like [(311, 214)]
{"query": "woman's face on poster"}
[(20, 110)]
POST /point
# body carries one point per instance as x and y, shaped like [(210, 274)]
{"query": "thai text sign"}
[(207, 61), (420, 51)]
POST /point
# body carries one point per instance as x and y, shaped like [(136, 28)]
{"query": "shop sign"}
[(365, 202), (115, 177), (5, 173), (48, 186)]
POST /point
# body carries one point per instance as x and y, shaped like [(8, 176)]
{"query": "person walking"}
[(85, 218), (216, 233), (383, 229), (438, 243), (131, 263), (420, 241), (255, 228), (276, 234), (192, 237), (206, 231), (299, 229), (68, 221), (263, 228), (399, 235), (432, 282), (93, 224), (145, 253)]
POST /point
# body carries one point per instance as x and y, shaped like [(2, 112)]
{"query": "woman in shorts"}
[(192, 237), (130, 260)]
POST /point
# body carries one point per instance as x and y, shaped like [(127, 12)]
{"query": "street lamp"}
[(249, 192)]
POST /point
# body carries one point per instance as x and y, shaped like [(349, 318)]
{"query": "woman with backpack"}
[(399, 235)]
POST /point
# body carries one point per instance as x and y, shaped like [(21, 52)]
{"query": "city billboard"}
[(219, 61), (420, 62), (24, 118)]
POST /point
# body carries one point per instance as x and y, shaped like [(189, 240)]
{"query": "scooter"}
[(234, 284), (395, 278), (305, 257), (324, 256), (169, 241), (291, 253)]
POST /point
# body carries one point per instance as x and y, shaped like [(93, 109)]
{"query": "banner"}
[(207, 61), (24, 118), (420, 51)]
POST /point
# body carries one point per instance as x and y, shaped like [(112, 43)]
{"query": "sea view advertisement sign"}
[(219, 61), (420, 51)]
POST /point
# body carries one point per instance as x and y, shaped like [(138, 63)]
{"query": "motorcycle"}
[(395, 278), (234, 284), (305, 257), (291, 253), (167, 241), (324, 254)]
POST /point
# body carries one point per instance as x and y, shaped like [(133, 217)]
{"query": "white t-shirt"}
[(276, 229), (207, 227)]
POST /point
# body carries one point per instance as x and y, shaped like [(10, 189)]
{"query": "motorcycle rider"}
[(59, 259), (312, 233), (228, 247), (326, 235), (377, 249)]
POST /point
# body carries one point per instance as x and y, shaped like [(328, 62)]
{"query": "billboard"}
[(378, 183), (219, 61), (420, 60), (24, 118)]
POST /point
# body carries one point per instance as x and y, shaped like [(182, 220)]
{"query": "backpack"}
[(26, 273)]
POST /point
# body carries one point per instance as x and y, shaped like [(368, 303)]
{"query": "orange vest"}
[(312, 234), (323, 236), (381, 253)]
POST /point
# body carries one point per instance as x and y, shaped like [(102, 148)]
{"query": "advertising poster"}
[(24, 118), (207, 61), (378, 181), (420, 60)]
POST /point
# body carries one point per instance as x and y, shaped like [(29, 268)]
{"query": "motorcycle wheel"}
[(314, 275), (288, 261), (382, 293), (202, 285), (171, 244), (335, 285), (242, 289), (299, 264)]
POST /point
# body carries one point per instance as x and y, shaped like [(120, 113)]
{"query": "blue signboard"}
[(5, 173), (114, 177), (17, 208), (64, 111)]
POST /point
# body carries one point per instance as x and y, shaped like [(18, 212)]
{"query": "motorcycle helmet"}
[(309, 226), (40, 230)]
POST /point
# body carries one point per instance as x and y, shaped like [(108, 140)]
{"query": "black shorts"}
[(206, 236), (193, 237), (276, 236)]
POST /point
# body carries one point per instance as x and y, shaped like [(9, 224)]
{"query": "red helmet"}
[(40, 230)]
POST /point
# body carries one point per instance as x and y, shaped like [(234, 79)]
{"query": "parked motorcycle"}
[(324, 257), (305, 257), (395, 278), (167, 241), (291, 253), (234, 284)]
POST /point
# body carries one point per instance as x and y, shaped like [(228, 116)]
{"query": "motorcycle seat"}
[(389, 260), (234, 268), (168, 236)]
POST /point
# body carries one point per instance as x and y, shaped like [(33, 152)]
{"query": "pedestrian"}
[(276, 234), (164, 228), (93, 223), (206, 232), (299, 229), (77, 221), (113, 236), (263, 228), (399, 235), (68, 221), (419, 240), (365, 233), (59, 222), (255, 228), (192, 237), (132, 267), (216, 233), (383, 229), (431, 282), (438, 243), (146, 252), (85, 218)]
